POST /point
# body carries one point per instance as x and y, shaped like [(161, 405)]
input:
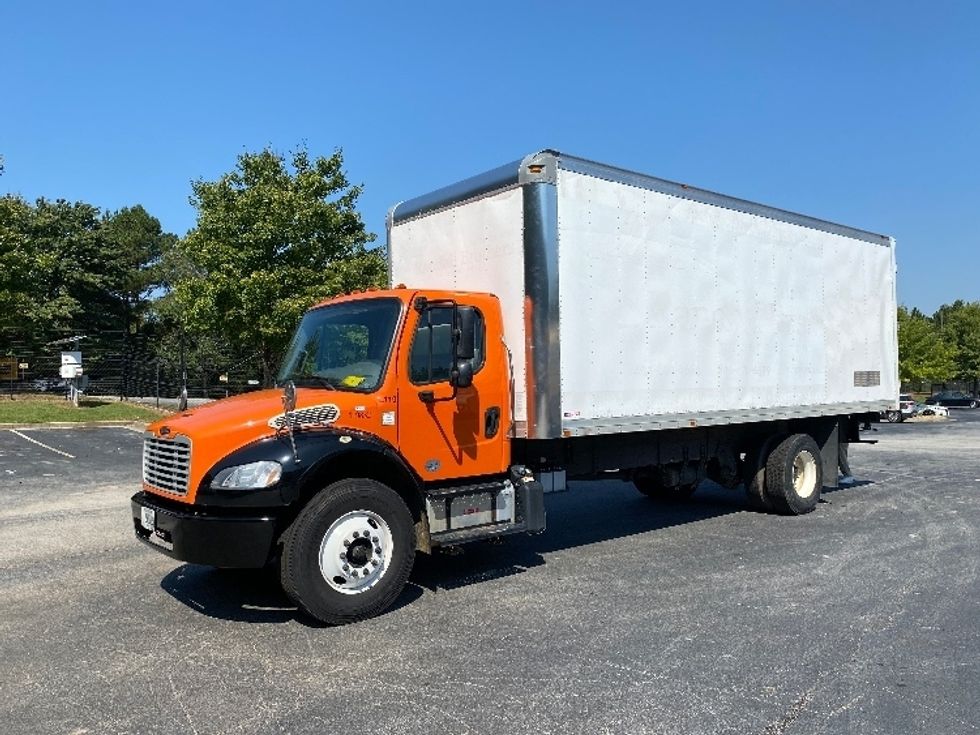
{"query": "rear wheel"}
[(754, 473), (348, 554), (893, 417), (794, 475)]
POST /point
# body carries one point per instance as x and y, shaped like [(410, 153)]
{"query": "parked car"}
[(45, 385), (906, 409), (953, 398), (931, 409)]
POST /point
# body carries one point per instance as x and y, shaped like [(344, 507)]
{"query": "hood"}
[(217, 429), (249, 413)]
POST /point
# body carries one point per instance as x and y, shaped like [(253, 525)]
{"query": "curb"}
[(131, 425)]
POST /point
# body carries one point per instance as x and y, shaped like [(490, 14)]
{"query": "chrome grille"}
[(167, 463), (325, 413)]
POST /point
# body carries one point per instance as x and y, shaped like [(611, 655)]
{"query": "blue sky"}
[(865, 113)]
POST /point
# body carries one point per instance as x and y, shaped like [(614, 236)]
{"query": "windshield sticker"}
[(352, 381)]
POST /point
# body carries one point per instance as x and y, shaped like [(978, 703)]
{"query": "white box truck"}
[(551, 319)]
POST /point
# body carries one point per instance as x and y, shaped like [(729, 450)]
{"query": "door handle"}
[(491, 422)]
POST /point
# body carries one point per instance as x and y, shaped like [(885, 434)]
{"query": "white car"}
[(926, 409), (906, 409)]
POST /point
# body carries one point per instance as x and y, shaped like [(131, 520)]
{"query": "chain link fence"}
[(123, 365)]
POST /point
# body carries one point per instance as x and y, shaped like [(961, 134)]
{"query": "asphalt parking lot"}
[(625, 617)]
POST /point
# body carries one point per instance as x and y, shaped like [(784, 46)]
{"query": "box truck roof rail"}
[(543, 166)]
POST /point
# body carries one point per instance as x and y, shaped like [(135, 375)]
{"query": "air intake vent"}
[(866, 378), (326, 413), (167, 463)]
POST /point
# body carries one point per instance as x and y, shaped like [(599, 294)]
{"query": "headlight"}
[(249, 476)]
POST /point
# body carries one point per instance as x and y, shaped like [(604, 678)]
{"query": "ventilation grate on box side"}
[(867, 378)]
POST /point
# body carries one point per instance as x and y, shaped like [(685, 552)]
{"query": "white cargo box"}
[(633, 303)]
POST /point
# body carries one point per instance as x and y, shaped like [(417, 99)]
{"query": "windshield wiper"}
[(319, 378)]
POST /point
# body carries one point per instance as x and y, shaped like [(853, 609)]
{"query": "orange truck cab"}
[(399, 403)]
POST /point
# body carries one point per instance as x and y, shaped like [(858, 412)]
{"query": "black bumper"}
[(205, 536)]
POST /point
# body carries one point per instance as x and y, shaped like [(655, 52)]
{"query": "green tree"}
[(923, 354), (58, 265), (959, 323), (272, 237), (138, 243), (65, 266)]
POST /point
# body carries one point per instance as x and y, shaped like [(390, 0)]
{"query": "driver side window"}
[(431, 358)]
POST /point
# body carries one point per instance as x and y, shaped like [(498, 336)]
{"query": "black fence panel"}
[(123, 365)]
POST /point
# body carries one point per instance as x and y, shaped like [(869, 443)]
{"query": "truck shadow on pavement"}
[(589, 513)]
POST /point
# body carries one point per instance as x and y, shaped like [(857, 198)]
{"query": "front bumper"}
[(202, 536)]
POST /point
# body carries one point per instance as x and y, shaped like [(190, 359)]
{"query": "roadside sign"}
[(71, 358), (8, 368)]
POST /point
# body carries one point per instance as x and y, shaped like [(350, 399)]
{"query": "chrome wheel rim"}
[(804, 474), (356, 552)]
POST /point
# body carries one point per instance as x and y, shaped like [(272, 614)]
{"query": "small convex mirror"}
[(289, 396), (462, 376)]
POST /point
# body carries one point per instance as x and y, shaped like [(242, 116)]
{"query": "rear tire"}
[(794, 475), (755, 473), (893, 417), (349, 552)]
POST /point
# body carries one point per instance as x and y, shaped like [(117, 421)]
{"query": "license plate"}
[(148, 518)]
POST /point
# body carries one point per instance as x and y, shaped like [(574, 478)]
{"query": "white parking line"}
[(41, 444)]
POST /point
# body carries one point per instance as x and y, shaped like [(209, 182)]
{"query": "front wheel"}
[(794, 475), (348, 554)]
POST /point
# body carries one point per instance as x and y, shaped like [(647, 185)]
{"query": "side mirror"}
[(465, 347), (462, 375)]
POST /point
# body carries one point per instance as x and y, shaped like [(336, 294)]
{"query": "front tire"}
[(794, 475), (349, 552)]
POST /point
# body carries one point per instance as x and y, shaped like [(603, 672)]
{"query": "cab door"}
[(442, 436)]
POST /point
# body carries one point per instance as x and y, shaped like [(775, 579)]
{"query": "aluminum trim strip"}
[(471, 188), (627, 424), (541, 311), (673, 188)]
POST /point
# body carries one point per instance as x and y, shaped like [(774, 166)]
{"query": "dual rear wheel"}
[(793, 476), (783, 474)]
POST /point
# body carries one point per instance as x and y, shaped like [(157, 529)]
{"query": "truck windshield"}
[(343, 346)]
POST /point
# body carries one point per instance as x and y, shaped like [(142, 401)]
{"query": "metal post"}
[(183, 363), (158, 382)]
